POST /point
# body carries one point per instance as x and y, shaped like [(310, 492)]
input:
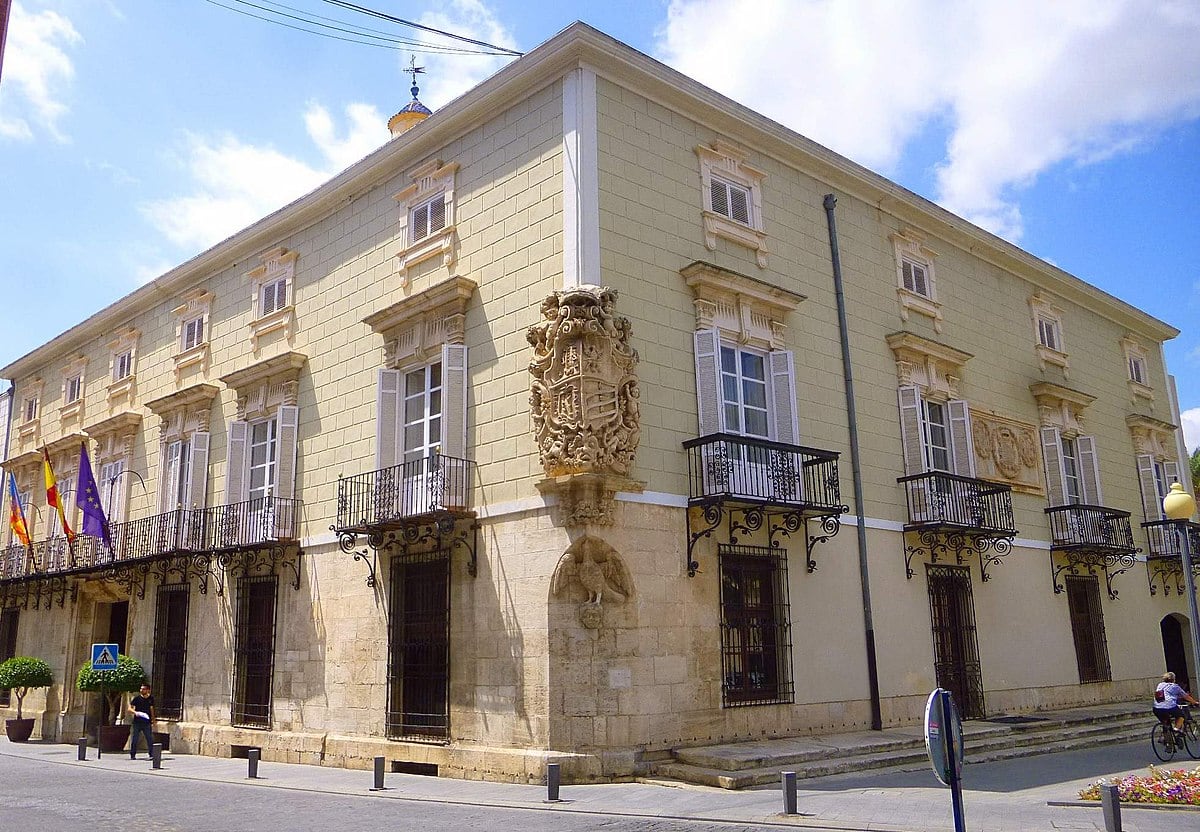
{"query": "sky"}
[(134, 134)]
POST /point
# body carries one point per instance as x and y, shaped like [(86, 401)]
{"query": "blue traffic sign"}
[(104, 657)]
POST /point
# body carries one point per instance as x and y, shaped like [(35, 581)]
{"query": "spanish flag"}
[(16, 514), (52, 498)]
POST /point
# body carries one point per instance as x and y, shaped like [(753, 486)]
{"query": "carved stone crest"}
[(594, 567), (1006, 451)]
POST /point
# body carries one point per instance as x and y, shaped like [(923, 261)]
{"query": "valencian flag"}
[(52, 498), (16, 514), (87, 497)]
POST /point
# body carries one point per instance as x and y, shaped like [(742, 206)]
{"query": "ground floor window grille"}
[(170, 649), (254, 651), (419, 648), (8, 646), (756, 647), (1087, 628), (955, 643)]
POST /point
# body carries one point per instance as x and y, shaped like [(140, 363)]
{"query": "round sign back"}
[(943, 737)]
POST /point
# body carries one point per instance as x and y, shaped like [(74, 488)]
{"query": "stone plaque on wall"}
[(1006, 451)]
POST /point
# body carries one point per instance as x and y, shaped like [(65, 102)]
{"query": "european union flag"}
[(87, 497)]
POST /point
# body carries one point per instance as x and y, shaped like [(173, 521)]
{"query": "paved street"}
[(47, 790)]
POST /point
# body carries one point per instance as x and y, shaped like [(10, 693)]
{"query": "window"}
[(731, 199), (74, 389), (744, 391), (1155, 475), (755, 642), (1048, 333), (8, 644), (916, 281), (937, 437), (122, 365), (427, 218), (1072, 481), (1137, 369), (419, 647), (65, 486), (427, 215), (254, 651), (1047, 320), (110, 494), (422, 411), (29, 410), (1072, 468), (915, 277), (193, 334), (177, 474), (1087, 628), (273, 296), (170, 648), (263, 454)]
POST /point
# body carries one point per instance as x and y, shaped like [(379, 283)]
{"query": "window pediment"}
[(930, 365), (1060, 407), (114, 435), (417, 326), (743, 309), (185, 411), (266, 385), (1152, 437)]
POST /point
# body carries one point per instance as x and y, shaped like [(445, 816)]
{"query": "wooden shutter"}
[(1056, 478), (454, 400), (198, 471), (960, 438), (719, 197), (437, 214), (910, 430), (420, 224), (285, 462), (1170, 475), (739, 204), (168, 479), (1151, 504), (781, 365), (387, 419), (1089, 470), (709, 408), (235, 468)]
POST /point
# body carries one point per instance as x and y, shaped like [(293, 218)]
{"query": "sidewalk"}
[(1012, 795)]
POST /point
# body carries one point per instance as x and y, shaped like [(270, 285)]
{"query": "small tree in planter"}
[(19, 674), (112, 684)]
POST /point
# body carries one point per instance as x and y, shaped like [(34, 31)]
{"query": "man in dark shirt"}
[(141, 707)]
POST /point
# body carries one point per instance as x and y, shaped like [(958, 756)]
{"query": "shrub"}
[(126, 678), (20, 673)]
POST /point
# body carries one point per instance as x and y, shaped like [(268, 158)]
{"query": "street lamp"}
[(1178, 505)]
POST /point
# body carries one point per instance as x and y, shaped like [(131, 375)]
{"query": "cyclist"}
[(1166, 701)]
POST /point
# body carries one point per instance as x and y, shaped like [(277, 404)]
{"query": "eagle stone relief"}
[(595, 567)]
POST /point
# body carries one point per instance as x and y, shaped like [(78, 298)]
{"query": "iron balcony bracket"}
[(1091, 562), (40, 593), (1169, 572), (745, 521), (940, 543), (439, 531), (263, 560)]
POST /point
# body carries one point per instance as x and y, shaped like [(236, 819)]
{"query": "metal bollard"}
[(252, 758), (156, 755), (1110, 799), (789, 792), (82, 743), (379, 763), (553, 778)]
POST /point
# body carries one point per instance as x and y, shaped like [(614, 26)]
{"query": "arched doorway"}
[(1175, 637)]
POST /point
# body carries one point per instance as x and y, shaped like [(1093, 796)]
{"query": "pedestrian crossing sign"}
[(104, 657)]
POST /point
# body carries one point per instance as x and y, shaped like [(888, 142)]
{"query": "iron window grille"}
[(1087, 628), (955, 641), (419, 648), (8, 645), (756, 647), (254, 651), (170, 648)]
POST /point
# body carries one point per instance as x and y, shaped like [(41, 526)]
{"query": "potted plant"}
[(19, 674), (113, 685)]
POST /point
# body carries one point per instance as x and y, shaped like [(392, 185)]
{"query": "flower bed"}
[(1179, 787)]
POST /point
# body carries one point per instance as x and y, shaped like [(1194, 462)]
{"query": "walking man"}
[(144, 721)]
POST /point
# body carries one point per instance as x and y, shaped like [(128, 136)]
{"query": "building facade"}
[(530, 438)]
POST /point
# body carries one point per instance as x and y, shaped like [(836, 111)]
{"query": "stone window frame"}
[(32, 402), (909, 245), (1137, 362), (277, 265), (930, 372), (121, 388), (430, 180), (114, 438), (1043, 311), (73, 378), (185, 415), (727, 163), (197, 305), (1154, 449), (1060, 421)]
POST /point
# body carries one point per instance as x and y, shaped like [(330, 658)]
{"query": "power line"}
[(383, 16)]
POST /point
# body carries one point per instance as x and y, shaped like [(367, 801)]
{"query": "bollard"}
[(789, 792), (252, 758), (552, 781), (82, 743), (379, 763), (1110, 799), (156, 755)]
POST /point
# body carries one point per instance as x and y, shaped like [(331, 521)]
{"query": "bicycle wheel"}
[(1191, 740), (1162, 743)]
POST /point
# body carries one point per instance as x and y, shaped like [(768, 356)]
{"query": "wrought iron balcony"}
[(1166, 542), (937, 500), (1090, 528), (392, 496), (725, 466)]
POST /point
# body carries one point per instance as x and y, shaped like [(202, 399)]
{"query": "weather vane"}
[(414, 71)]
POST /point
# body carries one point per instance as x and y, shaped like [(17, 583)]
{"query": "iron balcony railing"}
[(1090, 528), (436, 483), (727, 466), (1166, 542), (940, 500), (238, 525)]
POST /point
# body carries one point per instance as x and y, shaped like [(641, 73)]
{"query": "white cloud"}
[(1190, 422), (1021, 84), (37, 69), (448, 75)]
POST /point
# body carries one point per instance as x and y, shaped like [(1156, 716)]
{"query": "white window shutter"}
[(454, 400), (198, 471), (1170, 475), (709, 411), (289, 431), (168, 480), (1056, 478), (783, 392), (960, 438), (1089, 470), (1151, 505), (235, 468), (387, 416), (911, 430)]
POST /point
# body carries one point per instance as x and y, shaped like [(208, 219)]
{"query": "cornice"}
[(451, 294), (286, 364), (188, 396)]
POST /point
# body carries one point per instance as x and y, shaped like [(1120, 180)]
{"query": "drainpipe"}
[(855, 465)]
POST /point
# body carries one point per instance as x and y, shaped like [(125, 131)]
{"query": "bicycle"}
[(1166, 741)]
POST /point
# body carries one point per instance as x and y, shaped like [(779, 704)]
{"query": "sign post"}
[(104, 657), (944, 742)]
